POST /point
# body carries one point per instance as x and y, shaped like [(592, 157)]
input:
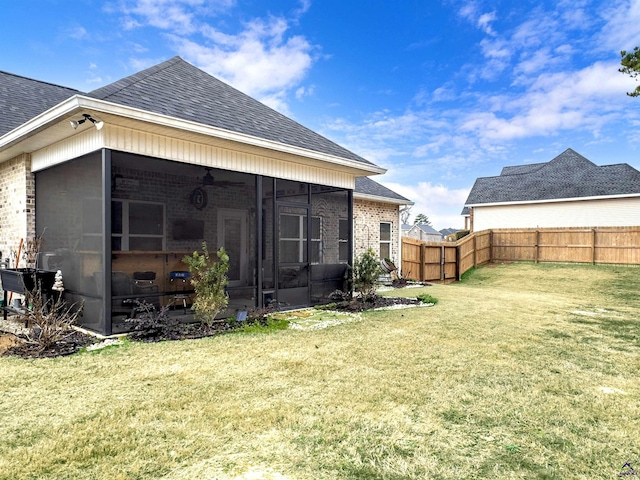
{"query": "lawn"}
[(520, 371)]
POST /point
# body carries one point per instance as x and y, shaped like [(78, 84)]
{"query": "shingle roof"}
[(427, 229), (23, 98), (367, 186), (180, 90), (174, 88), (569, 175)]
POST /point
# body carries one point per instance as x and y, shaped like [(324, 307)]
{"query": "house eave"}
[(379, 199), (554, 200), (79, 103)]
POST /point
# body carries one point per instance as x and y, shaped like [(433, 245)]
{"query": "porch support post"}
[(351, 236), (106, 238), (259, 253)]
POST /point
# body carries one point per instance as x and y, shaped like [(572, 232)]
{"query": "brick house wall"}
[(17, 204), (366, 223)]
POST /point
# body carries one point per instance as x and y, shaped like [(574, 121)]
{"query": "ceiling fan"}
[(209, 181)]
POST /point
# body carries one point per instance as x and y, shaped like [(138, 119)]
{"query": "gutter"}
[(377, 198)]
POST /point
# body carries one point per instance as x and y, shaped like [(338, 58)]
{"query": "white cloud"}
[(174, 15), (260, 60), (77, 33), (438, 202), (302, 92), (559, 101), (470, 12), (484, 22), (621, 31)]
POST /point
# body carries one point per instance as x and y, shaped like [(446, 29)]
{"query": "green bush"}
[(426, 298), (461, 234), (209, 279), (366, 270), (267, 325)]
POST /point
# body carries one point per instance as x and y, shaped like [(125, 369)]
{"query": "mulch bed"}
[(17, 344), (358, 305)]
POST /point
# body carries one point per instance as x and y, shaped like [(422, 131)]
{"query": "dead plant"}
[(49, 321)]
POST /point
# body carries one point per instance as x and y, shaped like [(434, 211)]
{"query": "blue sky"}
[(439, 92)]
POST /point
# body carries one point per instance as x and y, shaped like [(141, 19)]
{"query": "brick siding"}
[(17, 204)]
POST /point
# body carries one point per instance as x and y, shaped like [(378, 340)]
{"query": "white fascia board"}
[(376, 198), (82, 102), (554, 200), (41, 121)]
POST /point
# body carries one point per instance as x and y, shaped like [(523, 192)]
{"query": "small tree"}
[(209, 279), (366, 270), (630, 62), (422, 219)]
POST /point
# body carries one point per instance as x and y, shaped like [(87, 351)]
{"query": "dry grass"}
[(521, 371)]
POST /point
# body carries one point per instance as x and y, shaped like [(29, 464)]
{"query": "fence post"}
[(458, 276), (490, 246), (475, 250), (537, 253), (422, 249), (443, 259), (593, 246)]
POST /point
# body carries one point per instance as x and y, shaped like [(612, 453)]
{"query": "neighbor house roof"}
[(567, 176), (23, 98), (428, 229), (367, 188)]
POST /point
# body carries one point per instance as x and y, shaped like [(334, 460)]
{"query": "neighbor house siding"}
[(587, 213), (17, 203), (247, 159), (367, 218)]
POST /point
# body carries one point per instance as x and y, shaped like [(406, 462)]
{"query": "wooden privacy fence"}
[(447, 261)]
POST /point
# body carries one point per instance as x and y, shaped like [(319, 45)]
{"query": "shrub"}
[(50, 321), (461, 234), (209, 279), (267, 324), (426, 298), (366, 270), (150, 324)]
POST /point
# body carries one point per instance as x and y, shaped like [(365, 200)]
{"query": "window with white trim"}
[(385, 240), (137, 225), (293, 237)]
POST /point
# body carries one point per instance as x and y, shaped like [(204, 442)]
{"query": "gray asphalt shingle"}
[(22, 99), (367, 186), (569, 175), (178, 89)]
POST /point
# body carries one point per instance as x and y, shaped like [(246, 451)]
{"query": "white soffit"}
[(53, 126)]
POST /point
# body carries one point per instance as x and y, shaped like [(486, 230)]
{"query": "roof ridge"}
[(137, 77), (41, 81)]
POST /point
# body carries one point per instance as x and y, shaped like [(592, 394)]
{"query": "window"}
[(385, 240), (293, 236), (343, 240), (137, 225)]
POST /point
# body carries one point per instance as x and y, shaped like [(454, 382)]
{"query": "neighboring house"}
[(127, 179), (422, 231), (466, 213), (376, 212), (445, 232), (568, 191)]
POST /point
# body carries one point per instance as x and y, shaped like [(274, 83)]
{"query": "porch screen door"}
[(232, 235), (293, 256)]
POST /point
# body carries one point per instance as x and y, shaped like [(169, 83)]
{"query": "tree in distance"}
[(630, 62)]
